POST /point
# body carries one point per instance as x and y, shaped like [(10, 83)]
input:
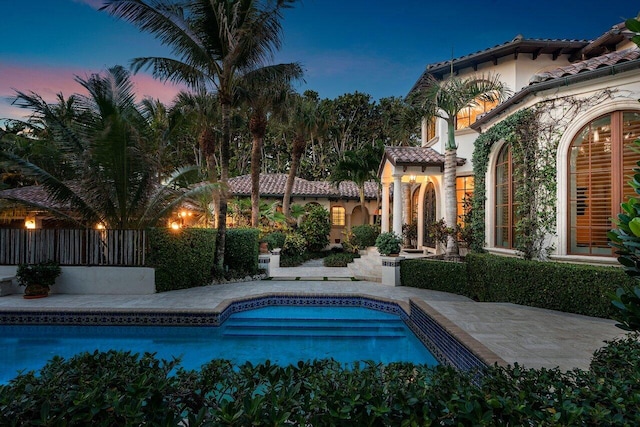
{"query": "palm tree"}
[(445, 99), (359, 166), (216, 42), (263, 93), (304, 118), (105, 142)]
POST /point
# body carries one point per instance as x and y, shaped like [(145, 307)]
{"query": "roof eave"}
[(555, 83)]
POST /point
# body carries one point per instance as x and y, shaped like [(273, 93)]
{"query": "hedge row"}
[(241, 251), (181, 260), (572, 288), (185, 259), (116, 388), (436, 275)]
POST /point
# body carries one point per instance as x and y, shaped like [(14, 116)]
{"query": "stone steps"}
[(368, 267)]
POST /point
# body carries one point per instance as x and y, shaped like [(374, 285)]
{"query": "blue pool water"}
[(283, 335)]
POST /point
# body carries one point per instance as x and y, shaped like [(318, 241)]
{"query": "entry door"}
[(429, 214)]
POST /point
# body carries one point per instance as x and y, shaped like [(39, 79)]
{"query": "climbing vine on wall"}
[(533, 135)]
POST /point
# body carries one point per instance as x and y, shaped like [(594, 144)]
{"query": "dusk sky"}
[(376, 47)]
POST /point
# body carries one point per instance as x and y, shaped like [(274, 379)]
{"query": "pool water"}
[(283, 335)]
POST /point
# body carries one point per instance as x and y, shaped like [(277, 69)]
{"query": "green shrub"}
[(364, 235), (339, 259), (388, 243), (315, 228), (102, 389), (294, 245), (123, 389), (580, 289), (182, 259), (241, 251), (275, 239), (433, 274), (618, 359)]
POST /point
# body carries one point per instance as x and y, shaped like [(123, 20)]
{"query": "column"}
[(397, 204), (384, 222), (406, 211)]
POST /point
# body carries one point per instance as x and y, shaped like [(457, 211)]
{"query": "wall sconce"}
[(412, 179), (30, 223)]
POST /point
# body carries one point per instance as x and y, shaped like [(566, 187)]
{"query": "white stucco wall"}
[(97, 280)]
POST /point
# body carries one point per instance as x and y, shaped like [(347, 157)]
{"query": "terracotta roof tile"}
[(274, 184), (426, 156), (588, 65)]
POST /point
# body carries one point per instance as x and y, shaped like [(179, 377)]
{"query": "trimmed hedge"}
[(241, 251), (184, 259), (436, 275), (181, 259), (116, 388), (572, 288), (339, 259)]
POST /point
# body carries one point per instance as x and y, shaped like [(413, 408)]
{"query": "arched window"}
[(601, 161), (468, 116), (504, 231)]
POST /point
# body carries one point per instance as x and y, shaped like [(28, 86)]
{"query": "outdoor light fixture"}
[(175, 225), (30, 223), (100, 226), (412, 179)]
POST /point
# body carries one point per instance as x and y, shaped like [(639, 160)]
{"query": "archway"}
[(429, 211)]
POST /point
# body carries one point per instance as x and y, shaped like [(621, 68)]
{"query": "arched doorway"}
[(359, 216), (429, 212)]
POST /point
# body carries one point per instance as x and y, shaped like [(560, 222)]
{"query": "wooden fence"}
[(73, 247)]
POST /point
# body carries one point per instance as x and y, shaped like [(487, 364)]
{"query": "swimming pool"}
[(281, 334), (447, 342)]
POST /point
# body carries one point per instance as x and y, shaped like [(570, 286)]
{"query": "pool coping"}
[(454, 346)]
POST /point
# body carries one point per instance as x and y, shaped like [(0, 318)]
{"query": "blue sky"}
[(375, 47)]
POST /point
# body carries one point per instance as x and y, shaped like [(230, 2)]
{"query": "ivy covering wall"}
[(533, 135)]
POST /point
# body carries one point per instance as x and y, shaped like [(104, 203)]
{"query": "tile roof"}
[(591, 64), (415, 156), (274, 184), (33, 193), (519, 45), (270, 185)]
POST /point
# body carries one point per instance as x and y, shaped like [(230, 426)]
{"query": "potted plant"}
[(38, 278), (410, 233), (388, 243)]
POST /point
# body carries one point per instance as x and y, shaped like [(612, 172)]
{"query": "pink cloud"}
[(48, 81)]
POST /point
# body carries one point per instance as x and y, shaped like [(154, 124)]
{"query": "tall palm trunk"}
[(257, 127), (365, 218), (221, 236), (298, 149), (451, 203)]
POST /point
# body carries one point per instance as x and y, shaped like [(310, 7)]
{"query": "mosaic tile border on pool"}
[(444, 345)]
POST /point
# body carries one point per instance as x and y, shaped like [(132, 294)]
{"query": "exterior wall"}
[(625, 92), (97, 280)]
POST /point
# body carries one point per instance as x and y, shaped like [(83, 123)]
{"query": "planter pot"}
[(36, 291), (264, 247)]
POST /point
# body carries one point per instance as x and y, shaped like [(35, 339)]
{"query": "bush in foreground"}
[(117, 388)]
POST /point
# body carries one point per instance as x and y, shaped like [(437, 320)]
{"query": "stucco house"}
[(584, 95), (342, 202)]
